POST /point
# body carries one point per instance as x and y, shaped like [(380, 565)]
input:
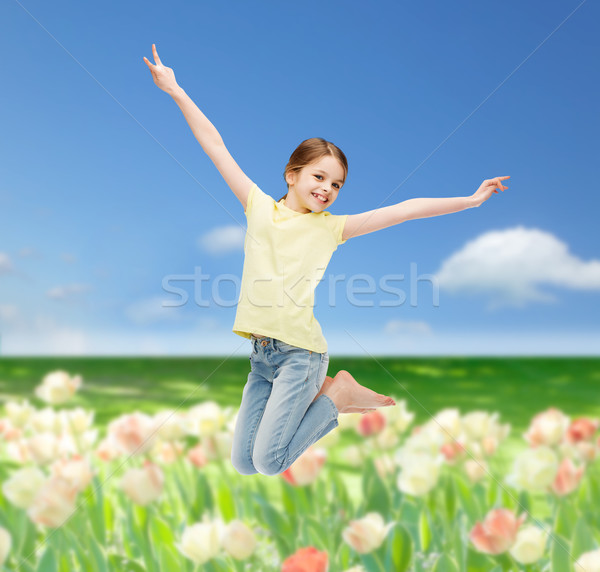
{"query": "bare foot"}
[(349, 396), (361, 410), (328, 381)]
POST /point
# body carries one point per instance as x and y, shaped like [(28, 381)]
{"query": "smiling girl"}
[(288, 402)]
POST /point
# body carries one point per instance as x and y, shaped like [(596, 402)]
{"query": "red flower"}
[(306, 560)]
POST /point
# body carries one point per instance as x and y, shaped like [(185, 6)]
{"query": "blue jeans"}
[(277, 420)]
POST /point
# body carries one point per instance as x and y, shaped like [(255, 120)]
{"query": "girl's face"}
[(323, 177)]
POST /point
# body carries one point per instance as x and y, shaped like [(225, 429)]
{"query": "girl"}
[(289, 402)]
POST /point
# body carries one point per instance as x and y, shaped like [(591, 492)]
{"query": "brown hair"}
[(311, 150)]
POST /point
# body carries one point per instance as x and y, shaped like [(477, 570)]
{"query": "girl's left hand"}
[(489, 186)]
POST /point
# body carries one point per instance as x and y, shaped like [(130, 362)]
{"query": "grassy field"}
[(515, 387)]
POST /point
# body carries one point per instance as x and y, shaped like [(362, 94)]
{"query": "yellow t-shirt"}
[(285, 256)]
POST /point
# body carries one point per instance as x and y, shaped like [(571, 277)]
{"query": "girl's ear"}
[(290, 177)]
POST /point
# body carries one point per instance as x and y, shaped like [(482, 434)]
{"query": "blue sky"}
[(105, 192)]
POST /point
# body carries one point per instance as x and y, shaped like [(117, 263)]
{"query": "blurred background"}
[(105, 194)]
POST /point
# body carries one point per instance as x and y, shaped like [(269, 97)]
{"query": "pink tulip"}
[(547, 428), (135, 433), (197, 457), (371, 423), (568, 477), (581, 429), (498, 531), (452, 451), (54, 502), (306, 467)]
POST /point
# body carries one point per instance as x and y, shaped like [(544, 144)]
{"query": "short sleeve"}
[(337, 224), (250, 199)]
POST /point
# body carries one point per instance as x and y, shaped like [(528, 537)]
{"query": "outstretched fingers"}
[(155, 54), (156, 59)]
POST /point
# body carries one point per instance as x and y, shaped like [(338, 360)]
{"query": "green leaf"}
[(424, 530), (524, 503), (167, 559), (582, 539), (560, 554), (459, 541), (47, 562), (80, 552), (445, 563), (375, 494), (400, 548), (122, 564), (225, 502), (95, 510), (450, 498), (161, 532), (566, 517), (491, 493), (344, 556), (340, 491), (468, 501), (97, 556), (479, 562), (280, 527)]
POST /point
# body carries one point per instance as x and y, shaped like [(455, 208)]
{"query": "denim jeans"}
[(277, 420)]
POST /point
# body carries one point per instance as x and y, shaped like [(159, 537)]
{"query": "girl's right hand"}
[(163, 76)]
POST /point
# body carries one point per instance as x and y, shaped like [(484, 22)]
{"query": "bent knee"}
[(269, 467), (342, 373), (243, 467)]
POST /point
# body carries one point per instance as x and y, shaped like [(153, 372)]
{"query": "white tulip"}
[(143, 485), (534, 469), (238, 540), (588, 562), (205, 420), (398, 418), (46, 421), (170, 425), (77, 421), (58, 387), (420, 473), (477, 424), (476, 469), (19, 413), (22, 486), (43, 448), (201, 541), (367, 534), (530, 544)]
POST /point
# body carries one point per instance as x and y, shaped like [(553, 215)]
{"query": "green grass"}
[(515, 387)]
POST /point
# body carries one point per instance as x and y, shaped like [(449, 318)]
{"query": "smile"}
[(320, 197)]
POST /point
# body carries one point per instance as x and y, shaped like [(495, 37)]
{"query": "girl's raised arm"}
[(377, 219), (206, 133)]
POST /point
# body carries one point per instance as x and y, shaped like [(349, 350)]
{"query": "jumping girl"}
[(288, 402)]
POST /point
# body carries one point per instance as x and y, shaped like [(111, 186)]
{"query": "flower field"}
[(484, 465)]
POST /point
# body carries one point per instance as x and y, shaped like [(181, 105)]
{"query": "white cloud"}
[(29, 252), (405, 327), (9, 314), (514, 264), (222, 240), (67, 292), (68, 258), (5, 264)]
